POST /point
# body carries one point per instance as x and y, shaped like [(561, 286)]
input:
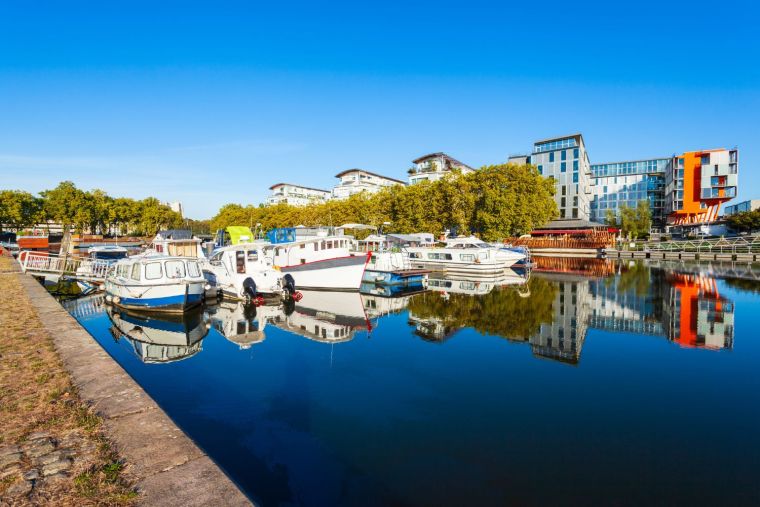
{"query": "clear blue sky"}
[(213, 102)]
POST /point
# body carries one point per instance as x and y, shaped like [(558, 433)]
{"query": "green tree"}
[(19, 209), (67, 205), (610, 218), (643, 218)]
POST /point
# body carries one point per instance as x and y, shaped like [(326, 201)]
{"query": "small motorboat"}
[(156, 283)]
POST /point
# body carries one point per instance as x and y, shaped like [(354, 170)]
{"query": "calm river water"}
[(585, 382)]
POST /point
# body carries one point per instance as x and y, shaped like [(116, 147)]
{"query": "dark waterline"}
[(603, 383)]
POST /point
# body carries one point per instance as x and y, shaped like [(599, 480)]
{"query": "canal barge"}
[(463, 255)]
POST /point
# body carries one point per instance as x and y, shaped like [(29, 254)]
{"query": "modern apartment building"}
[(698, 182), (565, 159), (296, 195), (742, 207), (435, 166), (354, 181), (627, 183), (681, 190)]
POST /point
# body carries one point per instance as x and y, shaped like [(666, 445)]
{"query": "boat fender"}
[(108, 298), (297, 296)]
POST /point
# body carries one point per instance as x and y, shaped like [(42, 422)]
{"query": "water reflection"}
[(565, 298), (244, 325), (327, 317), (159, 338)]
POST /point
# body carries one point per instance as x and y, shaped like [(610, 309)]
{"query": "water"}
[(591, 382)]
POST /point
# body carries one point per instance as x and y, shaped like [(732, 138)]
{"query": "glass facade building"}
[(621, 184)]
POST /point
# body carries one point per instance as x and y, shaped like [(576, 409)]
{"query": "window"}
[(551, 157), (575, 212), (563, 155), (575, 165), (575, 153), (563, 166), (176, 269), (705, 159), (575, 200), (239, 262), (439, 256), (575, 177), (564, 203), (253, 255), (467, 257), (135, 271), (564, 190), (193, 269), (153, 271), (540, 169)]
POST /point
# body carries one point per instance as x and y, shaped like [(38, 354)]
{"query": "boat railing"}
[(41, 263)]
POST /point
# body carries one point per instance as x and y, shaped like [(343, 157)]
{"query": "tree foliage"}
[(494, 202), (745, 221), (18, 209), (85, 211), (634, 222)]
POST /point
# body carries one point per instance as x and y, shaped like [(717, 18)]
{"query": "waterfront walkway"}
[(77, 430)]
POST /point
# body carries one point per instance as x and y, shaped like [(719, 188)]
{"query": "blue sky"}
[(210, 103)]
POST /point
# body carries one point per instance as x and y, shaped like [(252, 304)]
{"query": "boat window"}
[(316, 246), (329, 244), (415, 255), (240, 261), (467, 257), (193, 269), (324, 243), (135, 271), (440, 256), (175, 269), (216, 259), (153, 271), (253, 255), (482, 255), (303, 245)]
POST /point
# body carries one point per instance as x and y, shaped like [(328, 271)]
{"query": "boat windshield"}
[(109, 256)]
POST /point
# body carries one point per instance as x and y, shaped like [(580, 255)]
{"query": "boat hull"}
[(159, 298), (393, 278), (340, 274)]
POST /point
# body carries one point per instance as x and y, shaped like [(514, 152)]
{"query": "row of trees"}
[(745, 221), (634, 223), (85, 211), (495, 202)]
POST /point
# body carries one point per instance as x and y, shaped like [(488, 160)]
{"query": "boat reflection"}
[(327, 317), (475, 285), (555, 309), (243, 324), (159, 339)]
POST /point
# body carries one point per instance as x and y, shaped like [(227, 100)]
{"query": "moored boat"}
[(463, 255), (156, 283)]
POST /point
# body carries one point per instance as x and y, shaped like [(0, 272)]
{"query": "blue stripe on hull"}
[(169, 301), (387, 278)]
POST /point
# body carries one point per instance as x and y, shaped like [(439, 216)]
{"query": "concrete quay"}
[(167, 467)]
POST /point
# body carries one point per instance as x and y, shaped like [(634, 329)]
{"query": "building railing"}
[(737, 245)]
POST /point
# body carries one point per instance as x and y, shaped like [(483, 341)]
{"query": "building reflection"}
[(159, 338), (561, 302)]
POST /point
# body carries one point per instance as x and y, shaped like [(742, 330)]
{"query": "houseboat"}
[(156, 283), (314, 258), (463, 255)]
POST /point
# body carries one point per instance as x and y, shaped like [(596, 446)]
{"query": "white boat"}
[(156, 283), (316, 259), (463, 255), (245, 271), (99, 258)]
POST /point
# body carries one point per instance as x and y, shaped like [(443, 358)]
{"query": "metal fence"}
[(737, 245)]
